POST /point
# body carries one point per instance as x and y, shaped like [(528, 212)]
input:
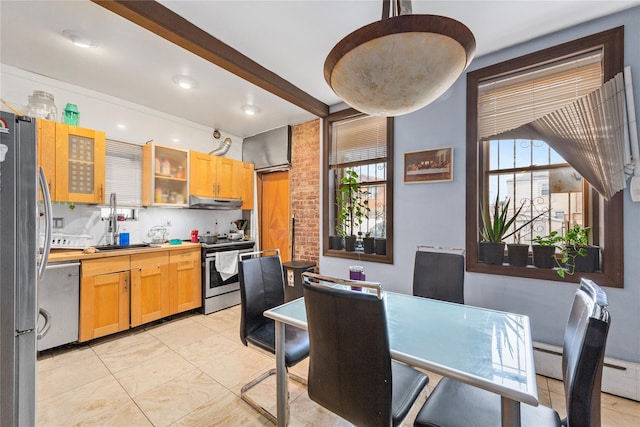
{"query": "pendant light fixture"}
[(401, 63)]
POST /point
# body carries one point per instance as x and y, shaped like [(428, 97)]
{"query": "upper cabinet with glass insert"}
[(165, 172), (74, 162)]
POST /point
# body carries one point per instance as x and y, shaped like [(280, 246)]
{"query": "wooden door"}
[(104, 305), (274, 214), (201, 174), (185, 280), (149, 287)]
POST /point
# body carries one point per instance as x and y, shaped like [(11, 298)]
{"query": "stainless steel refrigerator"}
[(21, 263)]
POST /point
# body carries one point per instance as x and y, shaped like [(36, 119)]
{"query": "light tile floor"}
[(188, 372)]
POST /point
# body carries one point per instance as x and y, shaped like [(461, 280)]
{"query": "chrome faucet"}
[(112, 227)]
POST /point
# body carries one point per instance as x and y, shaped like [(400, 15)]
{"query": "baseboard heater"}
[(619, 377)]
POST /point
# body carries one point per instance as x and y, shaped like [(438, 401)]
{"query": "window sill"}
[(360, 256), (531, 272)]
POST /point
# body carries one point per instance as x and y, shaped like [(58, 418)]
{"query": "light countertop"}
[(63, 255)]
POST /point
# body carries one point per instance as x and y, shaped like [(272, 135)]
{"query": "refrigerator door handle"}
[(47, 323), (48, 217)]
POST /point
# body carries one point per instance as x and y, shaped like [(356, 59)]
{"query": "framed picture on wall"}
[(433, 165)]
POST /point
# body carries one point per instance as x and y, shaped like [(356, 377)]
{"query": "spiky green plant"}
[(496, 229)]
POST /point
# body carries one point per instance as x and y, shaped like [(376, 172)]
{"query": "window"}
[(521, 171), (544, 191), (358, 158), (528, 171), (124, 172)]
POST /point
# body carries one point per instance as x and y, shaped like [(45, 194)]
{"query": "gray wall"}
[(434, 214)]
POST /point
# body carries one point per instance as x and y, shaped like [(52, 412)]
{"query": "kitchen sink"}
[(105, 248)]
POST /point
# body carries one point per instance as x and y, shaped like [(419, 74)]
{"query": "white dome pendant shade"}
[(399, 64)]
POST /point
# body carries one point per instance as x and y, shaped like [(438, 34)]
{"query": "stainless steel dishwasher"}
[(59, 295)]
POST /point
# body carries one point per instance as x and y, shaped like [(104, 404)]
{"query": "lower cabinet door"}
[(185, 280), (104, 305), (149, 294)]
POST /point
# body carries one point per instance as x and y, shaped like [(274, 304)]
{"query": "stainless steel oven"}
[(217, 293)]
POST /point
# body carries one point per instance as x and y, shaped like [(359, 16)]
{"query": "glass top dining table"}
[(485, 348)]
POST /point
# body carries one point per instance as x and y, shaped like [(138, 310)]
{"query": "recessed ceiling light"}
[(121, 126), (250, 109), (175, 140), (185, 82), (78, 39)]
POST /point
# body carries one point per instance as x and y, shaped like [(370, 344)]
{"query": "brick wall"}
[(305, 189)]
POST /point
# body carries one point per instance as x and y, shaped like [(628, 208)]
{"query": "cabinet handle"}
[(101, 198), (50, 186), (126, 284)]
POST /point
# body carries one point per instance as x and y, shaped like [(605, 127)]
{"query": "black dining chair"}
[(438, 275), (262, 288), (350, 368), (453, 404)]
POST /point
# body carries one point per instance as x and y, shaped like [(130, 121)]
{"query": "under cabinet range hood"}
[(215, 203), (268, 150)]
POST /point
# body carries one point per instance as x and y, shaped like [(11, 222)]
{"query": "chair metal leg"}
[(255, 405)]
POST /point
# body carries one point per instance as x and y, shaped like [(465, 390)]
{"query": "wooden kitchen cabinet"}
[(214, 176), (80, 164), (104, 297), (47, 152), (73, 160), (202, 179), (185, 280), (165, 176), (149, 287), (246, 183), (227, 178)]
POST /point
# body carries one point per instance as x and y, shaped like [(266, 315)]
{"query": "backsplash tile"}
[(86, 220)]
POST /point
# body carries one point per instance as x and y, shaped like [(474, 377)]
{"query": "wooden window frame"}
[(606, 216), (326, 205)]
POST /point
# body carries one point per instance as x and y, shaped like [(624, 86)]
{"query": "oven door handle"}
[(207, 269)]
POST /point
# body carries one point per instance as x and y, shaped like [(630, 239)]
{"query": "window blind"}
[(508, 102), (591, 133), (359, 140), (124, 172)]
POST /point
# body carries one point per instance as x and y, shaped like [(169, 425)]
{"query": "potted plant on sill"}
[(353, 207), (518, 253), (577, 254), (544, 249), (337, 241), (495, 229), (380, 239), (368, 243)]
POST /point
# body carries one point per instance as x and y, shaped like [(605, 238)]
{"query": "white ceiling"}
[(290, 38)]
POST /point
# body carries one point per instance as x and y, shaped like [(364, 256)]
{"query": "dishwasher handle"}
[(47, 323), (54, 266)]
